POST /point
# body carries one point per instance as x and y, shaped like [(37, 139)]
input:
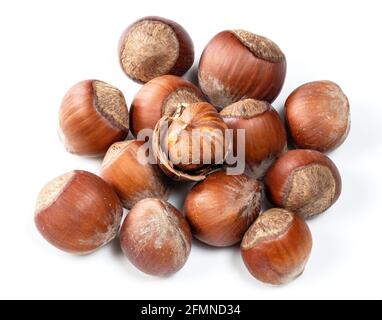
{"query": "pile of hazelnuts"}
[(240, 74)]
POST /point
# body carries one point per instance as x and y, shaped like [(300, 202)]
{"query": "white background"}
[(47, 46)]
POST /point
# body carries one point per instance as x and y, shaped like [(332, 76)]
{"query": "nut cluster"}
[(188, 133)]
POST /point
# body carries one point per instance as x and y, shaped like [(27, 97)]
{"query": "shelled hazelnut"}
[(318, 116), (221, 208), (154, 46), (265, 136), (93, 115), (238, 64), (156, 238), (160, 97), (78, 212), (276, 247), (304, 181), (131, 177)]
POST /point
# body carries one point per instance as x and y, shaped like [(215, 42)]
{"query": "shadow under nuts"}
[(265, 136), (93, 115), (221, 208), (192, 142), (303, 181), (131, 177), (237, 64), (78, 212), (276, 248), (160, 97), (156, 238), (318, 116), (154, 46)]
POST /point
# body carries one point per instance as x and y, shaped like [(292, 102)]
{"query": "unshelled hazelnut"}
[(131, 177), (238, 64), (265, 136), (159, 97), (318, 116), (303, 181), (221, 208), (93, 115), (156, 238), (276, 248), (192, 142), (154, 46), (78, 212)]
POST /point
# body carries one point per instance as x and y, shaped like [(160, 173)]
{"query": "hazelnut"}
[(318, 116), (238, 64), (192, 142), (154, 46), (276, 247), (265, 136), (221, 208), (78, 212), (156, 238), (93, 116), (303, 181), (130, 177), (159, 97)]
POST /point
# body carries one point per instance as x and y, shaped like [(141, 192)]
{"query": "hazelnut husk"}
[(155, 46), (303, 181), (238, 64)]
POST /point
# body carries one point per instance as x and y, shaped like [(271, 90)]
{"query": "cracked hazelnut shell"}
[(159, 97), (221, 208), (175, 138), (93, 115), (78, 212), (303, 181)]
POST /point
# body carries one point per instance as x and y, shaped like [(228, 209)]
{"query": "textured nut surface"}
[(311, 189), (151, 49), (261, 47)]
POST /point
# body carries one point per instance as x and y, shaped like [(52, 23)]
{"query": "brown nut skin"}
[(177, 156), (158, 97), (265, 135), (155, 46), (221, 208), (156, 238), (238, 64), (130, 178), (93, 115), (276, 248), (303, 181), (318, 116), (78, 212)]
